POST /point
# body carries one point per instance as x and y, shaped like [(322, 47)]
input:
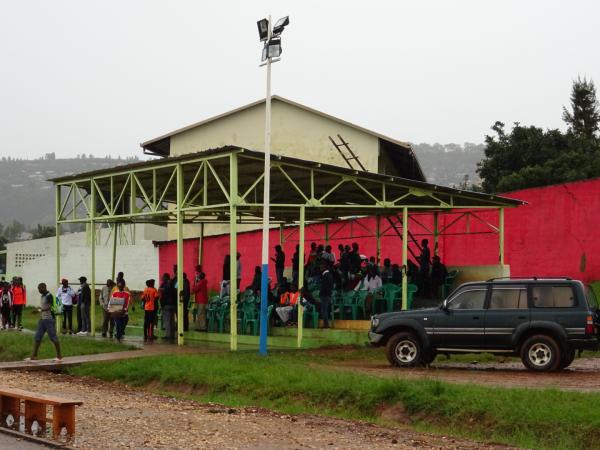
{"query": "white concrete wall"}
[(138, 261)]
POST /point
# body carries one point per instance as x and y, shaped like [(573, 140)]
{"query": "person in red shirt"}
[(149, 299), (118, 306), (200, 290), (19, 295)]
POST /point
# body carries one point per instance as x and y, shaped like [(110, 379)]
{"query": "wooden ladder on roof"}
[(344, 149)]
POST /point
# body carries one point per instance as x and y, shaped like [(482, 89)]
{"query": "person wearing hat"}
[(83, 307), (66, 295)]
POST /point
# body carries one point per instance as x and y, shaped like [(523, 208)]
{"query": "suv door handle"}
[(475, 317), (521, 317)]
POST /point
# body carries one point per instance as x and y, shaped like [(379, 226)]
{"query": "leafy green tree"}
[(584, 117), (529, 156)]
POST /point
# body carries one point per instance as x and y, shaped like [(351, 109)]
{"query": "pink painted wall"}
[(555, 234)]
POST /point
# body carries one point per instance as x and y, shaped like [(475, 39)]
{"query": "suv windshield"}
[(590, 296)]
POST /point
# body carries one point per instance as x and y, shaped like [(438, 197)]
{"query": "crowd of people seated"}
[(327, 271)]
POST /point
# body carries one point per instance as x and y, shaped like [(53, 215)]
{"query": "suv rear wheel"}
[(541, 353), (404, 350)]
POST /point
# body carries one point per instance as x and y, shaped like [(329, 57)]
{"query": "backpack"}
[(55, 305)]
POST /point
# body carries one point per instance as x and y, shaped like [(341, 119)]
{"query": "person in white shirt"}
[(65, 295), (371, 282)]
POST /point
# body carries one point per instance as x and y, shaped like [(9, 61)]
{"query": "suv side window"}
[(508, 297), (469, 299), (553, 297)]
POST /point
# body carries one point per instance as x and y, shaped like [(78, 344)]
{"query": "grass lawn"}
[(290, 382), (15, 346)]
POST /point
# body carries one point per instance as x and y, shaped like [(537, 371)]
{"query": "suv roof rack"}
[(530, 278)]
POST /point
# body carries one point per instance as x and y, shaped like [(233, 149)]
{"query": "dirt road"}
[(582, 375), (118, 417)]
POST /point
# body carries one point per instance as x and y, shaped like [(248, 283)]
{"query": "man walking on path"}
[(65, 295), (85, 300), (108, 324), (46, 324), (19, 301)]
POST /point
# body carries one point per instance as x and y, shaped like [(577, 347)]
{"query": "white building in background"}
[(137, 256)]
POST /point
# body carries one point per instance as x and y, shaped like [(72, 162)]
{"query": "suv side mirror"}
[(445, 305)]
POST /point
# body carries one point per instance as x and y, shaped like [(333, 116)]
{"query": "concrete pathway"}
[(149, 350)]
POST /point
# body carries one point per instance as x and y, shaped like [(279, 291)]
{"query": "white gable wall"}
[(295, 132)]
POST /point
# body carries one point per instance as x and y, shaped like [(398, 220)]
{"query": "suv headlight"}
[(374, 322)]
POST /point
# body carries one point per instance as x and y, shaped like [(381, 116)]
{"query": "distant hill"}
[(27, 197), (447, 164)]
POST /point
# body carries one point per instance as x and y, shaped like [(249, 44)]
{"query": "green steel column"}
[(200, 243), (404, 258), (378, 238), (115, 229), (233, 187), (93, 255), (179, 254), (326, 232), (301, 276), (57, 201), (435, 233), (501, 234), (281, 235)]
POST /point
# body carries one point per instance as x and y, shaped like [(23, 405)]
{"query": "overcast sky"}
[(102, 76)]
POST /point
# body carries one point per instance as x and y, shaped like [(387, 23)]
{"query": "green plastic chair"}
[(310, 311), (223, 313), (391, 294), (411, 289), (448, 283), (250, 317)]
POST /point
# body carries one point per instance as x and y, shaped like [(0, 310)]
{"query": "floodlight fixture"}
[(264, 52), (280, 25), (274, 48), (263, 29)]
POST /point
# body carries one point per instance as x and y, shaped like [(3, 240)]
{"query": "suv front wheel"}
[(541, 353), (404, 350)]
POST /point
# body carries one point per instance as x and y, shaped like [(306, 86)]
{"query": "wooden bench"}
[(63, 410)]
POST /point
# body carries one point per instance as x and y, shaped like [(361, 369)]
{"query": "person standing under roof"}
[(19, 295), (5, 304), (84, 304), (279, 261), (118, 306), (149, 299), (201, 297), (66, 295), (108, 324), (168, 303)]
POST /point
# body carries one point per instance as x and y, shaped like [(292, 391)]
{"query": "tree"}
[(43, 231), (584, 118), (529, 156)]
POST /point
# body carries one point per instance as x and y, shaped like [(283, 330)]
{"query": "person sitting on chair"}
[(288, 302)]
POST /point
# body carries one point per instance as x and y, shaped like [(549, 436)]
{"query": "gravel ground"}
[(118, 417)]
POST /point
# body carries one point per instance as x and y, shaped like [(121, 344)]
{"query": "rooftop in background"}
[(298, 131)]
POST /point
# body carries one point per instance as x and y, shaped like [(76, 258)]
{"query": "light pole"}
[(271, 36)]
